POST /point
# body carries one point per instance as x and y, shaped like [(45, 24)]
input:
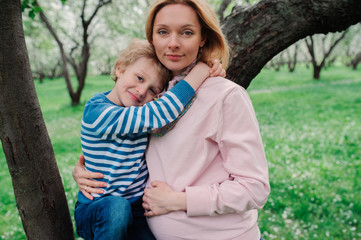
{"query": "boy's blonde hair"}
[(216, 46), (137, 49)]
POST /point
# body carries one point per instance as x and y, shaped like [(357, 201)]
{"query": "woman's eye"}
[(162, 32), (140, 78), (188, 33)]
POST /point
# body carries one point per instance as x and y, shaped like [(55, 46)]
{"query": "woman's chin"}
[(176, 68)]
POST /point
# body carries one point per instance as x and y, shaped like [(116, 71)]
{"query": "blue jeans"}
[(112, 217)]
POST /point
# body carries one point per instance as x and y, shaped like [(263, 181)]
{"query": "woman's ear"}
[(203, 41)]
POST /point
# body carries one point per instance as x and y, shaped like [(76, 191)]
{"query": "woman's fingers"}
[(91, 185), (87, 195), (85, 180), (149, 214), (146, 206)]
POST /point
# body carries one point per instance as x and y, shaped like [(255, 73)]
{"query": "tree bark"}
[(316, 72), (38, 188), (258, 33), (356, 60)]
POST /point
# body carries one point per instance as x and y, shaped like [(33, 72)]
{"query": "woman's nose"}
[(173, 41)]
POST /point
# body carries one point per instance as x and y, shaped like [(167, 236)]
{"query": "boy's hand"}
[(217, 69)]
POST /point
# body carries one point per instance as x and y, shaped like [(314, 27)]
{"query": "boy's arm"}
[(197, 75), (152, 115), (104, 120)]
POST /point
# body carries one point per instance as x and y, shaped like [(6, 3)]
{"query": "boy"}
[(114, 136)]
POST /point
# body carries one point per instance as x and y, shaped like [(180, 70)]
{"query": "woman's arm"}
[(243, 158)]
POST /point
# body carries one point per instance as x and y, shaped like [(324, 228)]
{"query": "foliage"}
[(32, 9), (311, 134), (30, 6)]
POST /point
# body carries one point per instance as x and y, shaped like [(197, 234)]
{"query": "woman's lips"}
[(173, 57)]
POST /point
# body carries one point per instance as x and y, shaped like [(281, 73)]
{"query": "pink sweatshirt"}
[(214, 154)]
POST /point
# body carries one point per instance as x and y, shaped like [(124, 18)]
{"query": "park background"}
[(310, 127)]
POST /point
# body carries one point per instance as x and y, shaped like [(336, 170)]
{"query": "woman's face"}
[(177, 36)]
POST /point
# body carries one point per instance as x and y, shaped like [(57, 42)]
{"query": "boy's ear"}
[(119, 70)]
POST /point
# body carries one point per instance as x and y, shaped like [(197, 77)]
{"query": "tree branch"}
[(101, 3), (259, 32), (61, 47), (222, 8)]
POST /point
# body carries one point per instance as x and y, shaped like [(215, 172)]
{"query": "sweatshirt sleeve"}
[(107, 120), (243, 157)]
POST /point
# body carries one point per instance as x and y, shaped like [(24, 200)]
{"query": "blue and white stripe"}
[(114, 138)]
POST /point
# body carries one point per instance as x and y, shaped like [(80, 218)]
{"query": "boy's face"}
[(138, 83)]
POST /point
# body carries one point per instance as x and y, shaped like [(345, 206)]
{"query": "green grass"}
[(312, 135), (311, 132)]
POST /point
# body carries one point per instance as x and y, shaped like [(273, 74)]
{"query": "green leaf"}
[(37, 9), (32, 14), (24, 5)]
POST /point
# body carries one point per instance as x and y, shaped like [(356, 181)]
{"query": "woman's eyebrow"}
[(160, 25), (182, 26)]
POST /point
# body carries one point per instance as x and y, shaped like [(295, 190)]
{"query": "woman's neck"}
[(180, 72), (184, 71)]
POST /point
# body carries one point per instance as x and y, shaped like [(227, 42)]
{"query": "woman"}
[(208, 174)]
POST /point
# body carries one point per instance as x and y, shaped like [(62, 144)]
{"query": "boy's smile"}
[(137, 84)]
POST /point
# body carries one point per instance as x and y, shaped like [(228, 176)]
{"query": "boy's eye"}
[(153, 91), (140, 78)]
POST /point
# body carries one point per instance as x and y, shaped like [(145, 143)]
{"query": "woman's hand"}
[(84, 179), (217, 69), (161, 199)]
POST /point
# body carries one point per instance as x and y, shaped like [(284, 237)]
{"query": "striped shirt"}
[(114, 138)]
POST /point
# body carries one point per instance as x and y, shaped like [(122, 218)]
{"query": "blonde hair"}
[(216, 46), (137, 49)]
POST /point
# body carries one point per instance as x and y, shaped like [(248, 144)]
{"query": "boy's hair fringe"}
[(136, 49)]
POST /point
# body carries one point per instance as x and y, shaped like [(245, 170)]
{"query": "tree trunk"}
[(38, 188), (256, 34), (292, 59), (316, 72), (356, 61)]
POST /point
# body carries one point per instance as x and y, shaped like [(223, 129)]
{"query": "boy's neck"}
[(111, 97)]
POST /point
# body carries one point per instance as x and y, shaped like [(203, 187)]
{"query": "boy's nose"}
[(141, 90)]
